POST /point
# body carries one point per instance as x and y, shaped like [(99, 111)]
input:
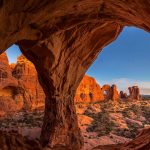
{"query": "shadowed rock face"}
[(62, 39), (123, 95), (134, 92)]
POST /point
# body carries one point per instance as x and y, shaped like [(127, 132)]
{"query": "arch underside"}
[(62, 39)]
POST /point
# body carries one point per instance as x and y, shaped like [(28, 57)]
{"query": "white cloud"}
[(124, 83)]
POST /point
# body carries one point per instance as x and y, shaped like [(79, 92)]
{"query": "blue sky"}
[(124, 62), (13, 52)]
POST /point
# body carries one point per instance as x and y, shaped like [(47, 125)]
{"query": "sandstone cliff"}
[(89, 91), (10, 97), (25, 72)]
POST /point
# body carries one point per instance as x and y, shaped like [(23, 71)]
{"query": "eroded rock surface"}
[(110, 92), (10, 97), (25, 72), (134, 92), (89, 91)]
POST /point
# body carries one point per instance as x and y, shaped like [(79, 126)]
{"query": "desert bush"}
[(101, 124)]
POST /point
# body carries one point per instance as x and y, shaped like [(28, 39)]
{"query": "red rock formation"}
[(115, 94), (123, 95), (33, 95), (10, 97), (26, 74), (107, 91), (110, 92), (62, 39), (6, 78), (134, 92), (88, 91)]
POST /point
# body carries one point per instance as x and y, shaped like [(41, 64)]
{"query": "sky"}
[(13, 52), (125, 62)]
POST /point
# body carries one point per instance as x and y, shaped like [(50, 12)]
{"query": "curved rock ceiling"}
[(62, 38)]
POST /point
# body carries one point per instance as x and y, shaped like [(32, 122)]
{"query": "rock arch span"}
[(62, 39)]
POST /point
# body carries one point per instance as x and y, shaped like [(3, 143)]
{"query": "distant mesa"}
[(20, 88)]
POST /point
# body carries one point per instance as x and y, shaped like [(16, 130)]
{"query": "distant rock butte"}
[(20, 89), (123, 95), (134, 92), (89, 91)]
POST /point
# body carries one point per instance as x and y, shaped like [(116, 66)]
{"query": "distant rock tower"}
[(123, 95), (134, 92)]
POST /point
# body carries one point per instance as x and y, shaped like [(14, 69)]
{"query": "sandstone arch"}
[(107, 91), (62, 39)]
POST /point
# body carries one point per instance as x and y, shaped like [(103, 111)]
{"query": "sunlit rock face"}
[(88, 91), (25, 75), (110, 92), (6, 78), (25, 72), (10, 96)]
